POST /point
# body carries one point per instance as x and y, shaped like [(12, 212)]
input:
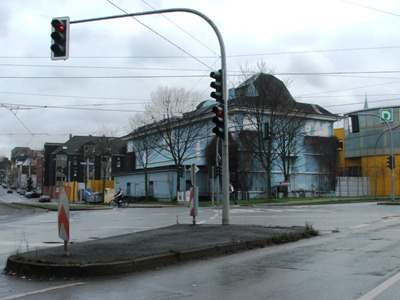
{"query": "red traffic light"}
[(59, 38), (58, 26), (218, 120), (218, 111)]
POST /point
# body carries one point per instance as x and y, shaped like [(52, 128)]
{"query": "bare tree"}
[(143, 145), (177, 132), (272, 122)]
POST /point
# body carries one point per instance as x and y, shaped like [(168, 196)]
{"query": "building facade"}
[(83, 162), (297, 133), (369, 137)]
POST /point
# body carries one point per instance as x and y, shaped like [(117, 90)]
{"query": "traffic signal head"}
[(217, 85), (391, 162), (59, 38), (218, 120), (218, 171), (355, 123), (266, 131)]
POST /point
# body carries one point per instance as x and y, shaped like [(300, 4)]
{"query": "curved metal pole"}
[(225, 146), (376, 143), (391, 149)]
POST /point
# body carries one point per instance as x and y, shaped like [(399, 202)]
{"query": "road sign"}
[(63, 216), (194, 168), (387, 114), (284, 183)]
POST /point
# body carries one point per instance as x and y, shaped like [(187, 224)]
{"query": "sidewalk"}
[(149, 249)]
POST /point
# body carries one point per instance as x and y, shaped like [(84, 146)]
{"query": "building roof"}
[(101, 144), (270, 90), (261, 86)]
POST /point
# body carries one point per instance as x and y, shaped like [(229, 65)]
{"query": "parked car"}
[(21, 191), (32, 194), (44, 198), (9, 191)]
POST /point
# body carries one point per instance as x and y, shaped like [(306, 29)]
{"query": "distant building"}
[(366, 147), (84, 162), (23, 167), (5, 166)]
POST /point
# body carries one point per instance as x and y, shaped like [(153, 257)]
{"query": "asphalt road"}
[(355, 257)]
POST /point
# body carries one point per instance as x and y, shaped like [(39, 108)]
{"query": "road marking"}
[(381, 288), (388, 220), (359, 226), (43, 291)]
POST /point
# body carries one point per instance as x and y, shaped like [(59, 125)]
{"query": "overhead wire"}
[(160, 35), (371, 8), (275, 53)]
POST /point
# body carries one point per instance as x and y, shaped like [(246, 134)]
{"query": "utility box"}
[(109, 195)]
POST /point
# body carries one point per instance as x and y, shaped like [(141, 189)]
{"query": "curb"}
[(26, 268)]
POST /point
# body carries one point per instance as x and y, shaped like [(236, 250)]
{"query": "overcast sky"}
[(334, 53)]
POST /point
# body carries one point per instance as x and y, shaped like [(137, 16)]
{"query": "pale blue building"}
[(309, 167)]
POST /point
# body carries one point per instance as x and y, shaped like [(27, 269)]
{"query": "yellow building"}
[(368, 139)]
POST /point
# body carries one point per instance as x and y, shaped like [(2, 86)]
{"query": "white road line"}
[(359, 226), (381, 288), (389, 220), (43, 291)]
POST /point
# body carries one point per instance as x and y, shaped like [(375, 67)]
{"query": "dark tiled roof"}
[(76, 144), (269, 91)]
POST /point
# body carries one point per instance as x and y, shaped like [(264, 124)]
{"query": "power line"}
[(103, 77), (213, 57), (361, 102), (102, 67), (340, 73), (348, 96), (349, 89), (185, 31), (11, 106), (74, 96), (161, 36), (371, 8), (315, 51)]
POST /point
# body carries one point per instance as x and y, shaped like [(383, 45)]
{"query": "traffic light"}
[(218, 171), (218, 119), (354, 123), (59, 38), (391, 162), (218, 86), (266, 131)]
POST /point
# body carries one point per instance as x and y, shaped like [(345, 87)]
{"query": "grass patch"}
[(288, 237), (298, 201)]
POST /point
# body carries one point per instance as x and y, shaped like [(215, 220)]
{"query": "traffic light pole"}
[(225, 147)]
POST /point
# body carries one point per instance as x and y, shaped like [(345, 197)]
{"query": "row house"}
[(22, 173), (82, 163)]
